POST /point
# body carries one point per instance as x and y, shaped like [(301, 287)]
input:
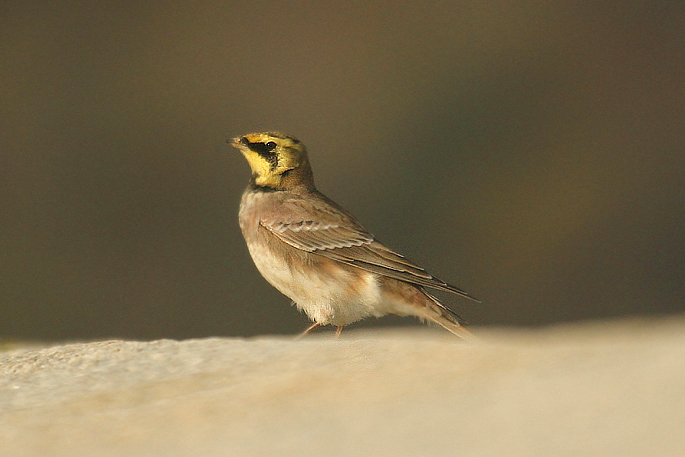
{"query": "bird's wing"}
[(322, 227)]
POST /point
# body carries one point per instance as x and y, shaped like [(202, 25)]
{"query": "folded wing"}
[(328, 230)]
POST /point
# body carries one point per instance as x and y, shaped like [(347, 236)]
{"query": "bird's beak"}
[(235, 142)]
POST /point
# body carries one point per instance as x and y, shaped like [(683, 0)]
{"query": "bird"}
[(316, 253)]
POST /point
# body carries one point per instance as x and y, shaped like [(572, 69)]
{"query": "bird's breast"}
[(328, 291)]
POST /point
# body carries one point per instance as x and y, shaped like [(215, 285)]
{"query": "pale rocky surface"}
[(594, 389)]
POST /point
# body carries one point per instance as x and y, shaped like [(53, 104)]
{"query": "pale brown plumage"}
[(316, 252)]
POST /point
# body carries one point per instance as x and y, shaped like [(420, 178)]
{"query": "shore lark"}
[(315, 252)]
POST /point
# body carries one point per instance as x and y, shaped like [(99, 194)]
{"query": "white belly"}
[(337, 296)]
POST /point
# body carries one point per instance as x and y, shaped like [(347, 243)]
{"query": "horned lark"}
[(316, 253)]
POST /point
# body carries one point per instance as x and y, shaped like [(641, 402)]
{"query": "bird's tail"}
[(446, 318)]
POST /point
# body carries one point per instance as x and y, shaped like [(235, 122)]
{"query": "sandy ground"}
[(593, 389)]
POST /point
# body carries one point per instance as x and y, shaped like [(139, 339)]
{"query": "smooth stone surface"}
[(600, 389)]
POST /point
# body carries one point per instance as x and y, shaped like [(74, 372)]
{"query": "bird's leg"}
[(309, 329), (338, 331)]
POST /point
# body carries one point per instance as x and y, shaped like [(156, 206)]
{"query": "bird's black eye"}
[(270, 146)]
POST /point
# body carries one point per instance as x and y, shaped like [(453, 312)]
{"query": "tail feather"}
[(445, 317)]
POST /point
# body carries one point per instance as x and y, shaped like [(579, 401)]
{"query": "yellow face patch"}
[(270, 155)]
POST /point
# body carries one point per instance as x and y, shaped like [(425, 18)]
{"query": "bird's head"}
[(277, 160)]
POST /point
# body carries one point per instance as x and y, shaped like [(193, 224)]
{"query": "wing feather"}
[(325, 229)]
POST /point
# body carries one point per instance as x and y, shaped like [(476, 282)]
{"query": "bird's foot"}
[(315, 325)]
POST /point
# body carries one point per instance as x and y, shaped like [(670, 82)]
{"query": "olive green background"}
[(532, 153)]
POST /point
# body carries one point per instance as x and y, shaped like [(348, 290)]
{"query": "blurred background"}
[(530, 152)]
